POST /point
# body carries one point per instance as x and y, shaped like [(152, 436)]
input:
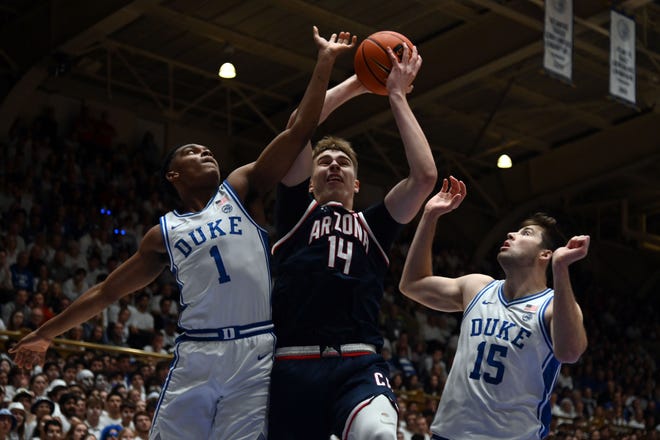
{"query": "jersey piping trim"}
[(166, 239), (545, 331), (234, 196), (263, 236), (543, 412), (189, 214), (173, 266), (373, 237), (312, 205), (167, 381), (477, 297), (353, 415), (500, 293)]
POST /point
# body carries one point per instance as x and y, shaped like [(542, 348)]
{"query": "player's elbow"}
[(403, 286), (408, 288), (426, 178), (571, 354)]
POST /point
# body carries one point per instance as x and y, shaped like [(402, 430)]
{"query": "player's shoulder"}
[(153, 241), (473, 283)]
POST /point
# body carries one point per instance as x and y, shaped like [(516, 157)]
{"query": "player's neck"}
[(347, 204), (197, 200), (518, 284)]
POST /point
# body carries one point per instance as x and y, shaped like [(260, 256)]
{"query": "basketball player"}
[(515, 332), (329, 266), (217, 386)]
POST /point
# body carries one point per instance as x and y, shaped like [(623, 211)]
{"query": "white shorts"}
[(216, 390)]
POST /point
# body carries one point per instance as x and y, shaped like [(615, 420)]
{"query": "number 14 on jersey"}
[(340, 249)]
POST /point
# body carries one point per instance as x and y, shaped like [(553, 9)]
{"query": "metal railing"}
[(69, 346)]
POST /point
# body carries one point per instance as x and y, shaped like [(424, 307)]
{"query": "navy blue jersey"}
[(329, 267)]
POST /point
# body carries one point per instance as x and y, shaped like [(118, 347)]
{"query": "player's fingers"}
[(393, 57)]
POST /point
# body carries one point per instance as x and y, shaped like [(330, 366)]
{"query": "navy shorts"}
[(311, 398)]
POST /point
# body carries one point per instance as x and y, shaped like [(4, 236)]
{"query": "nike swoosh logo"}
[(487, 302), (261, 356), (176, 226)]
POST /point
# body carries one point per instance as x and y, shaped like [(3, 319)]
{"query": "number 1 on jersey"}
[(215, 253)]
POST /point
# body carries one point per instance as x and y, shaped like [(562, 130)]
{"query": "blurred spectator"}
[(19, 303), (111, 414), (74, 259), (142, 423), (22, 276), (8, 423), (93, 419), (18, 410), (6, 286), (36, 318), (141, 322), (76, 285), (17, 321)]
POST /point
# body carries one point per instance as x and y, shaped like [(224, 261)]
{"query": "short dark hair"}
[(551, 236), (169, 189), (52, 422)]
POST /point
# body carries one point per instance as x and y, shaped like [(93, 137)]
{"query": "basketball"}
[(372, 64)]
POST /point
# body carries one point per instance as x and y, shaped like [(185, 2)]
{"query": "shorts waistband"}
[(320, 351), (227, 333)]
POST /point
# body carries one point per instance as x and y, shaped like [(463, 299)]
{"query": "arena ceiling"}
[(481, 92)]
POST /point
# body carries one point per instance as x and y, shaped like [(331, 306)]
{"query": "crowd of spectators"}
[(75, 203)]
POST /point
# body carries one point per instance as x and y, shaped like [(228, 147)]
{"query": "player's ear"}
[(356, 186), (171, 175), (545, 254)]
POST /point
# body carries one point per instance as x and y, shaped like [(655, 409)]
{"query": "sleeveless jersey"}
[(220, 259), (504, 370), (329, 270)]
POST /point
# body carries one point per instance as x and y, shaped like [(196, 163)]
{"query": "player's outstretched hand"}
[(336, 44), (576, 249), (450, 196), (30, 351)]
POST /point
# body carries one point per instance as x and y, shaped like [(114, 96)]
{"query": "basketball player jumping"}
[(329, 267), (217, 387), (515, 332)]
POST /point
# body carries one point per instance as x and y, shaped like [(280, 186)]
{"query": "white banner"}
[(622, 57), (558, 39)]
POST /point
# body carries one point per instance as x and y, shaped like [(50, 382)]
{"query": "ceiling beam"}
[(122, 17), (222, 35)]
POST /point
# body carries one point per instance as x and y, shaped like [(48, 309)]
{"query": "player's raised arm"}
[(334, 98), (405, 199), (417, 279), (568, 334), (276, 159), (135, 273)]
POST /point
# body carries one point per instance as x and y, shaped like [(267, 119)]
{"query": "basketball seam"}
[(368, 66)]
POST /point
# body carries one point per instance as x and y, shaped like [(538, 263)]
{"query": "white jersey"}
[(504, 370), (225, 285)]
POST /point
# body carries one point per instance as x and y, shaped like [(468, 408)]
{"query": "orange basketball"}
[(372, 64)]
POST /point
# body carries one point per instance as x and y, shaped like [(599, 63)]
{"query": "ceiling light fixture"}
[(227, 71), (504, 161)]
